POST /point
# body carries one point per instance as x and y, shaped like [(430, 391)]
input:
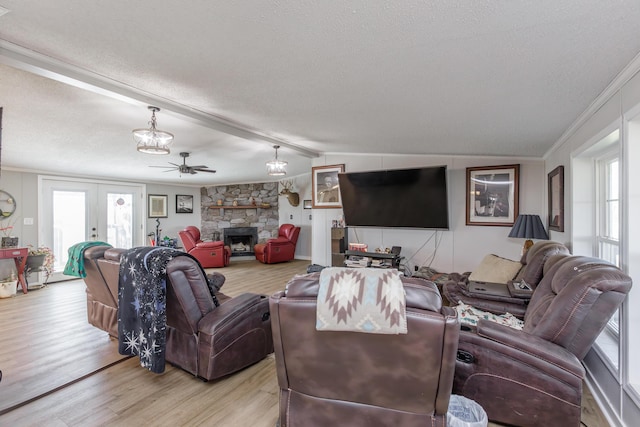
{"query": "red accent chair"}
[(209, 254), (280, 249)]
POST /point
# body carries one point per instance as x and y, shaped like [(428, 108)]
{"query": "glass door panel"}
[(69, 224)]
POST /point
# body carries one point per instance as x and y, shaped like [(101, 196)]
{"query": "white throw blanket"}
[(370, 300)]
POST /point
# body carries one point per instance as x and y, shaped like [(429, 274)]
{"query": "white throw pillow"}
[(495, 269)]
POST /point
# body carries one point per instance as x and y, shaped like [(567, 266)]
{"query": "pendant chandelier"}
[(152, 140), (276, 167)]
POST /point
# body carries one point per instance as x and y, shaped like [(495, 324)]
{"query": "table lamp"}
[(528, 227)]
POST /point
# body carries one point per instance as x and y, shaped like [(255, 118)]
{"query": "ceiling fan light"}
[(276, 167), (152, 140)]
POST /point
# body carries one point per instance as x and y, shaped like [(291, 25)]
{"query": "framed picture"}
[(556, 199), (492, 195), (306, 204), (157, 206), (184, 203), (325, 187)]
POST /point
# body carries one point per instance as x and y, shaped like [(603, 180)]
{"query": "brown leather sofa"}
[(332, 378), (513, 300), (203, 339), (533, 377), (102, 294), (280, 249), (209, 254)]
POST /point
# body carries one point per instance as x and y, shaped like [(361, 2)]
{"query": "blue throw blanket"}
[(142, 297)]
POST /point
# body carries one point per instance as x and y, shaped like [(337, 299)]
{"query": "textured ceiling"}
[(233, 78)]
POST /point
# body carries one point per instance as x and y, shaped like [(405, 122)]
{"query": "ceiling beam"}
[(36, 63)]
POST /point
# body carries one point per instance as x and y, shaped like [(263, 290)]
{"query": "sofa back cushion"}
[(574, 301), (495, 269)]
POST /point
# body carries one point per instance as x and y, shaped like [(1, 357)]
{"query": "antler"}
[(287, 184)]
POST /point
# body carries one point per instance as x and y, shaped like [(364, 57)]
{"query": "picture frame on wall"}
[(492, 195), (555, 193), (306, 204), (325, 186), (184, 203), (157, 205)]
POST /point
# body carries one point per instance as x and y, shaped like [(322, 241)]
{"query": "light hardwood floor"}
[(46, 342)]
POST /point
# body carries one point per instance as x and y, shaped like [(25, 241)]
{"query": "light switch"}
[(27, 221)]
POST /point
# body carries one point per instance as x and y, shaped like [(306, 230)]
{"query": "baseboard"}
[(607, 410)]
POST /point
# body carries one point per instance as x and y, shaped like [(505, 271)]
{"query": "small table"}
[(19, 255)]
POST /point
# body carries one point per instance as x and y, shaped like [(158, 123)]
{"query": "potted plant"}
[(39, 259)]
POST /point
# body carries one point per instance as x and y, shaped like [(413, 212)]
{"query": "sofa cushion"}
[(495, 269)]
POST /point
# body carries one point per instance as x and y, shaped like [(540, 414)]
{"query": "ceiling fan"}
[(184, 168)]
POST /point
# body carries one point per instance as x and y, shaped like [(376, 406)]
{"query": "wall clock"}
[(7, 204)]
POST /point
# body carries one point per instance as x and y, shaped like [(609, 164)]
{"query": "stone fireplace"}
[(241, 240), (230, 207)]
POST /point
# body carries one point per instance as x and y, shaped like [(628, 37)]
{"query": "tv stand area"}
[(375, 259)]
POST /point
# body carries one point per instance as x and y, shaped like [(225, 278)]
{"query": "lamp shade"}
[(529, 227)]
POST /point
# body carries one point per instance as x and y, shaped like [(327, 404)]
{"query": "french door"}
[(74, 211)]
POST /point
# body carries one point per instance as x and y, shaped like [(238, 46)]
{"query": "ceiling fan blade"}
[(206, 170), (199, 167), (174, 164), (165, 167)]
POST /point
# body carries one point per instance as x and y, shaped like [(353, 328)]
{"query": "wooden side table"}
[(19, 256)]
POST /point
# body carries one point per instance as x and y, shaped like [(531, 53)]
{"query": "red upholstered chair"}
[(209, 254), (280, 249)]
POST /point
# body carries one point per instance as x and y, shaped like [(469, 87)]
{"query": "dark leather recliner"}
[(515, 301), (209, 254), (331, 378), (211, 341), (280, 249), (534, 377)]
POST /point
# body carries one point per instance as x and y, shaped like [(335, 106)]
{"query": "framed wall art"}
[(492, 195), (555, 192), (157, 206), (184, 203), (306, 204), (325, 187)]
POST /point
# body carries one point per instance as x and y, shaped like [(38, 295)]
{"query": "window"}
[(608, 233), (596, 217)]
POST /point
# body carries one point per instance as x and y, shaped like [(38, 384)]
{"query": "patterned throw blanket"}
[(367, 300), (142, 316), (75, 263)]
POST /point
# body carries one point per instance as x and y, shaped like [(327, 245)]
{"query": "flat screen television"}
[(405, 198)]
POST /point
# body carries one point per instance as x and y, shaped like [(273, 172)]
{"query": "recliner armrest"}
[(517, 292), (228, 312), (530, 344), (209, 245)]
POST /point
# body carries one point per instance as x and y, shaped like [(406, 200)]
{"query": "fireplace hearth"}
[(241, 240)]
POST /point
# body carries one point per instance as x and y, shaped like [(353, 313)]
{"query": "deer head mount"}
[(292, 197)]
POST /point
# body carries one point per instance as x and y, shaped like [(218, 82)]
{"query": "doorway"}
[(73, 211)]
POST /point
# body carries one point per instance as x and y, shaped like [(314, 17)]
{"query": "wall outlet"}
[(290, 216), (415, 268)]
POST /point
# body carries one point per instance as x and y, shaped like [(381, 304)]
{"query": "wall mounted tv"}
[(406, 198)]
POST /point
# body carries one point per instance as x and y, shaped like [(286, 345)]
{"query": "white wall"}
[(612, 110), (462, 247), (297, 215), (174, 221)]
